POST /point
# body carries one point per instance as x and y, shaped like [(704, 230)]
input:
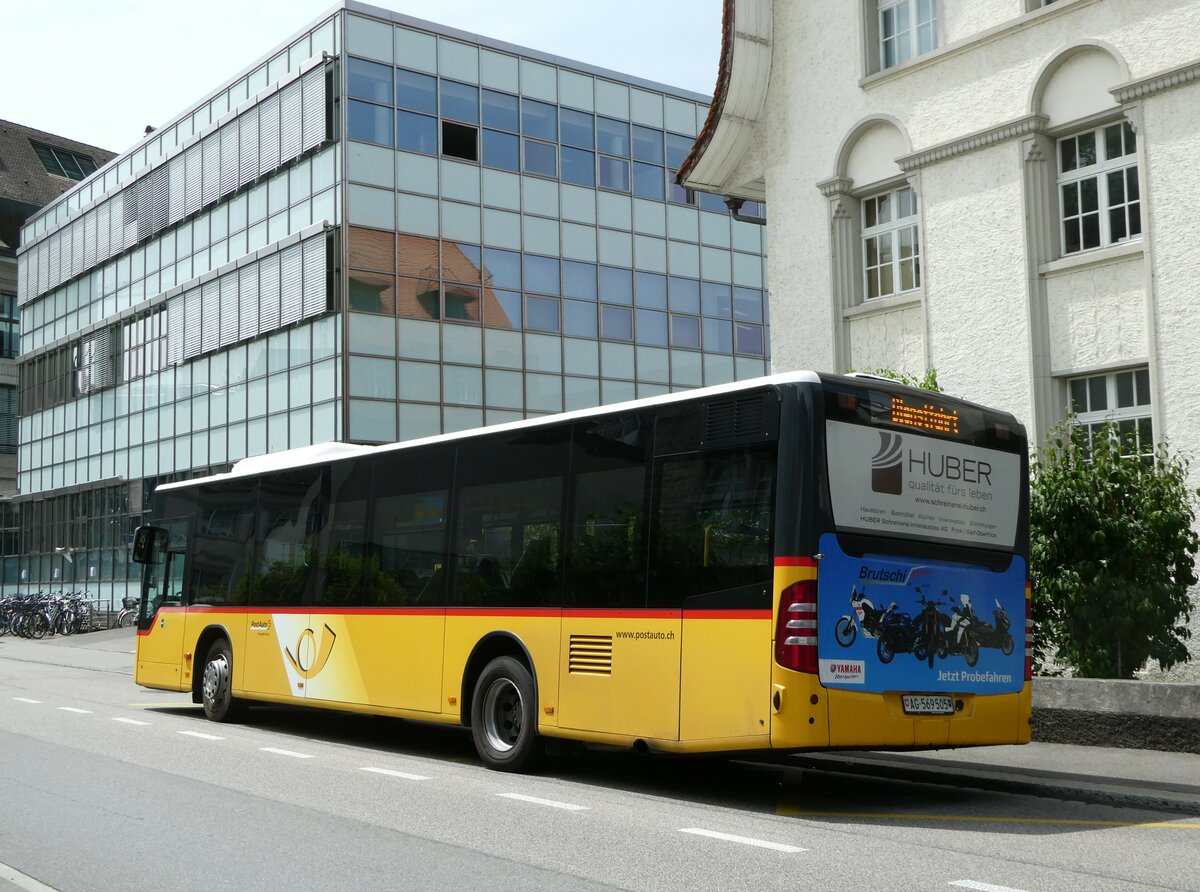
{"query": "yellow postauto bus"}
[(799, 561)]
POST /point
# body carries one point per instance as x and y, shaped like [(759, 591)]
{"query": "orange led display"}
[(927, 417)]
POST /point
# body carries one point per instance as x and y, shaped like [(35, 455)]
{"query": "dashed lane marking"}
[(983, 887), (744, 840), (200, 734), (401, 774), (120, 718), (75, 710), (552, 803), (279, 752), (789, 811), (26, 700)]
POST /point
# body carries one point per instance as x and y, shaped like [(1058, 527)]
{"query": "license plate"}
[(928, 704)]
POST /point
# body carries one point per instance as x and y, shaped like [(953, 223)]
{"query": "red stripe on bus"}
[(620, 613), (504, 611), (795, 562), (727, 614)]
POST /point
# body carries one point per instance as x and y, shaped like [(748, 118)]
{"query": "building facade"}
[(990, 188), (383, 230)]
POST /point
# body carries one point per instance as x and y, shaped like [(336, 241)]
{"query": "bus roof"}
[(304, 456)]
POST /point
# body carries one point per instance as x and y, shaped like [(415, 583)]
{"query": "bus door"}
[(160, 628)]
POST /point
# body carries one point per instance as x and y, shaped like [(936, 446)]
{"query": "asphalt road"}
[(104, 785)]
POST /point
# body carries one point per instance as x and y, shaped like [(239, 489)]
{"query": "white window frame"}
[(891, 243), (1095, 401), (1103, 194), (906, 29)]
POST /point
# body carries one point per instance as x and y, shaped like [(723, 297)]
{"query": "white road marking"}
[(73, 709), (982, 887), (26, 700), (550, 802), (271, 749), (744, 840), (390, 773), (22, 881), (119, 718), (200, 734)]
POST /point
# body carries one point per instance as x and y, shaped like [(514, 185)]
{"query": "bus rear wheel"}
[(216, 685), (504, 716)]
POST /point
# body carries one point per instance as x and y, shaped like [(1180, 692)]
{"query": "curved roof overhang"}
[(737, 106)]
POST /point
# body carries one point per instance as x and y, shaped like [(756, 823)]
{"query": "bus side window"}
[(713, 529)]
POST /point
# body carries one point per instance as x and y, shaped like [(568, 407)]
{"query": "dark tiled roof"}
[(718, 101), (25, 184)]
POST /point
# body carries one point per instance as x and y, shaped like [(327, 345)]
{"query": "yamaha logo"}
[(887, 465)]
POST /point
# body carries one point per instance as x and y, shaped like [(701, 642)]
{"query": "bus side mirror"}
[(144, 539)]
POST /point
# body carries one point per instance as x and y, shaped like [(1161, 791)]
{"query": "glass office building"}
[(384, 230)]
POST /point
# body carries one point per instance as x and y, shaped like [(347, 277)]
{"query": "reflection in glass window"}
[(416, 133), (460, 101), (501, 150), (541, 314), (614, 173), (502, 269), (648, 181), (612, 136), (616, 323), (651, 290), (372, 293), (747, 304), (718, 336), (717, 300), (539, 119), (652, 328), (502, 309), (416, 92), (578, 167), (461, 263), (406, 548), (579, 279), (678, 148), (749, 338), (369, 80), (541, 158), (577, 129), (500, 111), (685, 332), (369, 123), (685, 295), (579, 319), (616, 285)]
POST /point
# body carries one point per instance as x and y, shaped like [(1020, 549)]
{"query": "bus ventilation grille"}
[(733, 419), (590, 655)]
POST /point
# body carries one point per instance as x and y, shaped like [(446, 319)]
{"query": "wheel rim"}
[(502, 715), (216, 681)]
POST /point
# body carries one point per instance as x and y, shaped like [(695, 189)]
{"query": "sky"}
[(100, 72)]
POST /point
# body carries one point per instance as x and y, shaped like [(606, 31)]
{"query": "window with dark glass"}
[(500, 111), (541, 274), (405, 561), (539, 119), (369, 80), (616, 323), (685, 332), (579, 279), (614, 173), (541, 314), (578, 167), (10, 326), (460, 101), (541, 158), (711, 202), (748, 339), (712, 529), (416, 92), (8, 420), (502, 269), (612, 136), (579, 319), (507, 541), (63, 162), (606, 538), (747, 304), (501, 150), (651, 290), (648, 181), (369, 123), (416, 133), (292, 512), (652, 328), (684, 295), (346, 573), (648, 145), (616, 285), (717, 300), (577, 129)]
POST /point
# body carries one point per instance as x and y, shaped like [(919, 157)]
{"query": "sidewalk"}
[(1159, 781)]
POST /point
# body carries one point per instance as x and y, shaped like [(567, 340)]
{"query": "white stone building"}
[(997, 189)]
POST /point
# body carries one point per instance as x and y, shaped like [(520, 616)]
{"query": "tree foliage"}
[(1112, 553), (928, 381)]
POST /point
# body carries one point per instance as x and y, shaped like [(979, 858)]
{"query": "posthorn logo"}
[(887, 464)]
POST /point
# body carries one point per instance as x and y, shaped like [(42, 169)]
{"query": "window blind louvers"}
[(291, 292), (268, 135), (315, 277), (289, 121), (248, 302), (210, 316), (268, 295), (229, 308)]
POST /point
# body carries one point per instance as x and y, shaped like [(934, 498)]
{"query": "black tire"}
[(972, 651), (884, 649), (1006, 646), (39, 626), (845, 631), (216, 685), (919, 650), (504, 717), (125, 620)]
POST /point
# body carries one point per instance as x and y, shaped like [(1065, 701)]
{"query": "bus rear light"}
[(796, 634), (1028, 639)]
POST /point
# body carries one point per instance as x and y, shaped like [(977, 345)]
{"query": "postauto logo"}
[(887, 464)]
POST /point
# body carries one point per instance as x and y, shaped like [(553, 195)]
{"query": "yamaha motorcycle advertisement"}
[(892, 624)]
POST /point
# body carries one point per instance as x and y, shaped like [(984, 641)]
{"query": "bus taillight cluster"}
[(796, 635)]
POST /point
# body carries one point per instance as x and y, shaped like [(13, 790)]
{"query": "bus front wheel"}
[(216, 685), (504, 716)]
